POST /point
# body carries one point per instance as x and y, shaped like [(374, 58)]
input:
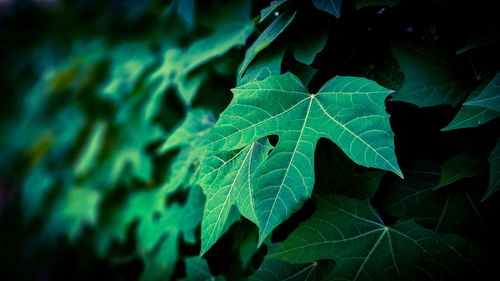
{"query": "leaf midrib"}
[(288, 169)]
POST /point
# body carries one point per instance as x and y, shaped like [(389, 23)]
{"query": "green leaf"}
[(36, 187), (225, 178), (489, 97), (463, 165), (230, 30), (351, 233), (87, 158), (368, 3), (494, 160), (337, 174), (329, 6), (188, 136), (196, 124), (266, 38), (160, 229), (350, 111), (472, 116), (446, 210), (307, 45), (264, 13), (186, 11), (128, 63), (274, 269), (480, 39), (430, 78), (304, 72), (386, 73), (132, 134), (197, 270), (268, 63), (73, 211), (160, 265)]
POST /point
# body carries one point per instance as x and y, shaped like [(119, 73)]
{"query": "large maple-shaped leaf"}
[(351, 233), (225, 178), (490, 96), (350, 111), (430, 76)]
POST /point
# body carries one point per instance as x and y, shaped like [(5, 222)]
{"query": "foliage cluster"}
[(360, 140)]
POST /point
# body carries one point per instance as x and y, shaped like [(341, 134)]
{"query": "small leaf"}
[(266, 38), (268, 63), (329, 6), (472, 116), (494, 160), (463, 165), (197, 270), (430, 78), (307, 46), (264, 13), (489, 97)]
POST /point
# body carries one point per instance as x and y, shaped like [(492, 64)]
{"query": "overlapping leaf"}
[(470, 116), (494, 160), (226, 180), (274, 269), (330, 6), (266, 38), (446, 210), (351, 233), (489, 97), (430, 78)]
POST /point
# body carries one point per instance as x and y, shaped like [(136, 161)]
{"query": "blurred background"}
[(85, 105)]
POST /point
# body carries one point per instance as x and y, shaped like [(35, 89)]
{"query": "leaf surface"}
[(494, 184), (266, 38), (490, 96), (329, 6), (274, 269), (225, 178), (472, 116), (350, 111), (430, 77), (351, 233), (463, 165)]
